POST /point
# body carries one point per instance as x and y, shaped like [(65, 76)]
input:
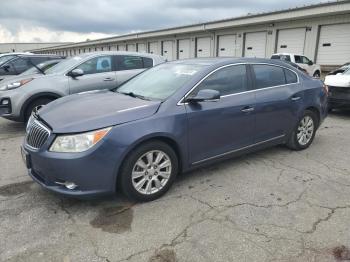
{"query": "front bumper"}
[(94, 171), (339, 97)]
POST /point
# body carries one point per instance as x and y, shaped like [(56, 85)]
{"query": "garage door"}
[(184, 48), (153, 48), (141, 48), (334, 45), (255, 45), (291, 41), (168, 50), (121, 47), (131, 47), (227, 45), (203, 47)]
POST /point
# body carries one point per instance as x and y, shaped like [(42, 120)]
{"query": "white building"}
[(321, 32)]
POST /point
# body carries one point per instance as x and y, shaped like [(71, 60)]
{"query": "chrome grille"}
[(37, 134)]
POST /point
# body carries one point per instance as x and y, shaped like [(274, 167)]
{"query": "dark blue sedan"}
[(169, 119)]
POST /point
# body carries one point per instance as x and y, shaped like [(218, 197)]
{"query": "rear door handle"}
[(109, 79), (295, 98), (247, 109)]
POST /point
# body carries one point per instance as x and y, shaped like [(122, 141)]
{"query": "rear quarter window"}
[(291, 77)]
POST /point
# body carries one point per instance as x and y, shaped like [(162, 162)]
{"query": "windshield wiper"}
[(134, 95)]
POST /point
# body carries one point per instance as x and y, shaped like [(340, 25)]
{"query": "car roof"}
[(219, 61), (98, 53)]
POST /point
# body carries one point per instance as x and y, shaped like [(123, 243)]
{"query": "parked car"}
[(296, 66), (7, 56), (341, 69), (302, 61), (339, 90), (17, 64), (86, 72), (36, 69), (172, 118)]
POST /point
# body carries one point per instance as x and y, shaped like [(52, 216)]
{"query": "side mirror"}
[(310, 63), (204, 95), (76, 72)]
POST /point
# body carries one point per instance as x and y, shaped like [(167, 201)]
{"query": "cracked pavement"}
[(273, 205)]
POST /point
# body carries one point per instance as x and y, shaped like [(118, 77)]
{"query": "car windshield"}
[(43, 66), (62, 66), (160, 82), (6, 58)]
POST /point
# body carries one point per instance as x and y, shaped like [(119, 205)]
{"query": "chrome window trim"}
[(237, 150), (181, 102)]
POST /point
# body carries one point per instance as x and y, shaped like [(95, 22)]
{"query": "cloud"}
[(61, 19)]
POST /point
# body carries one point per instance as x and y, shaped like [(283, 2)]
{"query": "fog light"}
[(68, 185), (5, 102)]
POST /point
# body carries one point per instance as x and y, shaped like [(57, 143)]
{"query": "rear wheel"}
[(317, 74), (36, 104), (149, 171), (304, 133)]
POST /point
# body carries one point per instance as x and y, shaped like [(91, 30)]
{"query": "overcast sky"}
[(77, 20)]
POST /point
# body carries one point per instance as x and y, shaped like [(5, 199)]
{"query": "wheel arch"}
[(35, 97), (317, 113)]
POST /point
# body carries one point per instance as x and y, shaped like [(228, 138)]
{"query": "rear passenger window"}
[(268, 76), (147, 62), (291, 77), (129, 62), (229, 80)]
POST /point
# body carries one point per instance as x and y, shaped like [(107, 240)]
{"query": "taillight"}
[(325, 88)]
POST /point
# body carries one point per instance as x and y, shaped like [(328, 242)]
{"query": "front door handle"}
[(108, 79), (295, 98), (247, 109)]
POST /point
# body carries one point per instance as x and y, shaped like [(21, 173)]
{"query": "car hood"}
[(93, 110), (338, 80)]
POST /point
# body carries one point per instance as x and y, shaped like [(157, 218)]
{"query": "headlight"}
[(79, 142), (16, 84)]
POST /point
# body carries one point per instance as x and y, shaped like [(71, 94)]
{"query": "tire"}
[(37, 102), (145, 177), (295, 141), (317, 74)]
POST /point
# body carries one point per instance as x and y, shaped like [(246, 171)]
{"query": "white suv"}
[(302, 61)]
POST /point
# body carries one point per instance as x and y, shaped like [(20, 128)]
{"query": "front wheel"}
[(149, 171), (304, 133), (35, 105), (317, 74)]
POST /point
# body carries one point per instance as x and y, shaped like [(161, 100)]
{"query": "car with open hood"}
[(339, 90), (172, 118)]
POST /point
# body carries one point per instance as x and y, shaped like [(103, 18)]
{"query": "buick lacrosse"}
[(170, 119)]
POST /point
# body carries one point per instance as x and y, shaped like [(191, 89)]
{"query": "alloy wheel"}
[(305, 130), (151, 172)]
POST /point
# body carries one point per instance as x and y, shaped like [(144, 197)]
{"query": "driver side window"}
[(96, 65), (228, 80)]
